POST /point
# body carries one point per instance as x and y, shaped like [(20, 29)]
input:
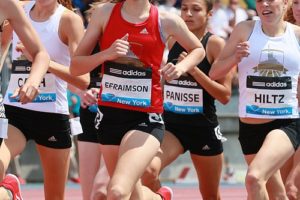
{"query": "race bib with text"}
[(183, 96), (126, 84)]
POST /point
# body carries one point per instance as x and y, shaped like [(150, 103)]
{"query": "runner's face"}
[(271, 11), (296, 11), (194, 13)]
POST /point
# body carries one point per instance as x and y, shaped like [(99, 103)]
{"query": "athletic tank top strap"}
[(55, 18), (205, 39), (48, 32), (205, 65)]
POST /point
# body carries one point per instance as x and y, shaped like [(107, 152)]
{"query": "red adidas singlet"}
[(149, 53)]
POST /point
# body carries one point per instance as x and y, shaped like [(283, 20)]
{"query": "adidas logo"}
[(143, 124), (206, 147), (52, 139), (144, 31)]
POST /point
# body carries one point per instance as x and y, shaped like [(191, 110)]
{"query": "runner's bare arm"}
[(173, 26), (82, 56), (18, 21)]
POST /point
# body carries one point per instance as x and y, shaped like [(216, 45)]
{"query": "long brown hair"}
[(289, 16), (66, 3), (289, 13)]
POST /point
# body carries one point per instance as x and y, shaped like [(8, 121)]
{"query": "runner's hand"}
[(119, 48), (171, 71), (20, 48), (26, 93), (89, 97), (242, 50)]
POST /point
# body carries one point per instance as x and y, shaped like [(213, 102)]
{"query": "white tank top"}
[(53, 90), (268, 77)]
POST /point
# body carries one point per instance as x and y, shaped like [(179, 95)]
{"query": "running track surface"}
[(181, 192)]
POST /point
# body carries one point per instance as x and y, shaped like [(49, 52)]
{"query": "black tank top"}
[(95, 75), (208, 117)]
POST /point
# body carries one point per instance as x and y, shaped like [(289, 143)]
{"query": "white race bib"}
[(126, 84), (183, 96), (269, 96), (20, 73)]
